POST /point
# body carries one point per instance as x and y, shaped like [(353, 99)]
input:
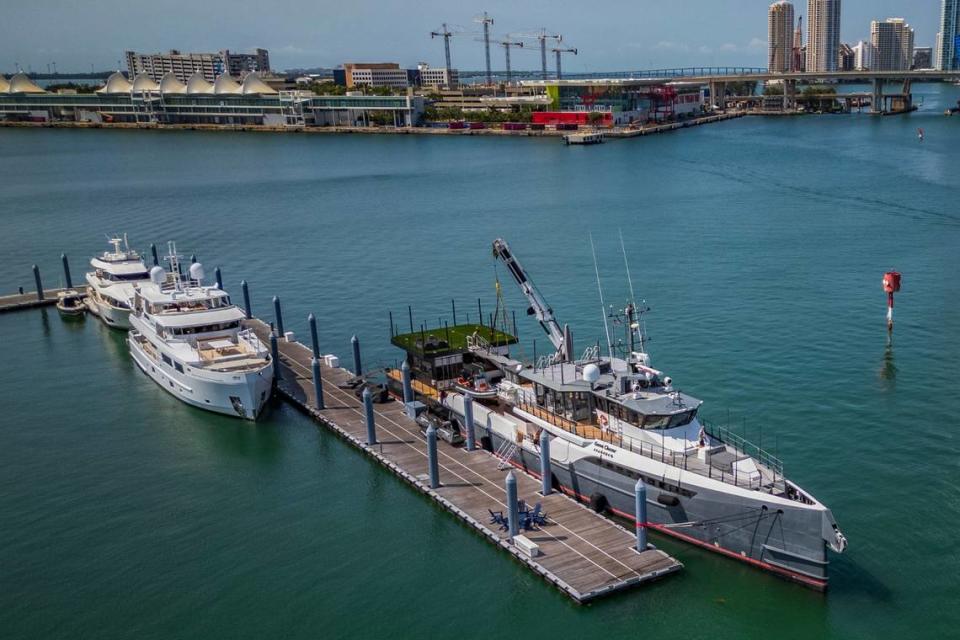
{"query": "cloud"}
[(757, 44), (667, 45), (728, 46)]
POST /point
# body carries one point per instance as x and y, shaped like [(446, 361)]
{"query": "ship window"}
[(178, 367), (166, 358)]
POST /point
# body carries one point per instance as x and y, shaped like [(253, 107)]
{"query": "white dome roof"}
[(197, 84), (226, 85), (4, 84), (20, 83), (170, 84), (116, 83), (142, 82), (252, 84)]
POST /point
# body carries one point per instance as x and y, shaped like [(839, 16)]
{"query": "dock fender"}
[(599, 503)]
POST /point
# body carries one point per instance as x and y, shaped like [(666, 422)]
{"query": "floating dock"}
[(583, 553), (28, 300)]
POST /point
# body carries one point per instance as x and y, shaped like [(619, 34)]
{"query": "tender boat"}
[(613, 421), (70, 304), (111, 283), (189, 338)]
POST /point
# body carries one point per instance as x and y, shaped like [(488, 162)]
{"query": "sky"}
[(610, 36)]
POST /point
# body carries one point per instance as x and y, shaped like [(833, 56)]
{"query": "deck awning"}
[(198, 318)]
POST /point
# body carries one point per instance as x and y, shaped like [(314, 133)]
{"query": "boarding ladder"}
[(505, 453), (476, 342)]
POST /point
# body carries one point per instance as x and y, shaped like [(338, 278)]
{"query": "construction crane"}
[(446, 34), (542, 36), (486, 21), (559, 51), (561, 338), (506, 44)]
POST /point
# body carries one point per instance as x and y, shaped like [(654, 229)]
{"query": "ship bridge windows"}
[(669, 421), (571, 405), (206, 328)]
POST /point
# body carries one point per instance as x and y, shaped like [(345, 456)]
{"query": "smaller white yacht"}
[(110, 284), (189, 338)]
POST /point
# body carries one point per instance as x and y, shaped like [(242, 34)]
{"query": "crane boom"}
[(538, 306)]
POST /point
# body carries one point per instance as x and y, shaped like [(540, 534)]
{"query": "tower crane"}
[(506, 43), (446, 34), (559, 51), (542, 36), (561, 338), (486, 21)]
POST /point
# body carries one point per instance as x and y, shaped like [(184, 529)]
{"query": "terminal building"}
[(225, 101), (209, 65)]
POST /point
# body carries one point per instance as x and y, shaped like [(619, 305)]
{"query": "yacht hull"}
[(241, 395), (111, 315), (767, 534)]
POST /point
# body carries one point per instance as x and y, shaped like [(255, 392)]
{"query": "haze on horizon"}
[(638, 34)]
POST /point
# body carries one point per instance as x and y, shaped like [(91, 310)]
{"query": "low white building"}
[(438, 77)]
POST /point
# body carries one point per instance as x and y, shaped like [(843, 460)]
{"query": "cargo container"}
[(478, 125), (454, 124), (514, 126)]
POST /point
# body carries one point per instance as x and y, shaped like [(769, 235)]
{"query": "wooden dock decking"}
[(584, 554)]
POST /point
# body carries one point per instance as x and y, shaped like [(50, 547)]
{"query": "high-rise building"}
[(184, 65), (863, 56), (922, 58), (847, 58), (780, 37), (948, 40), (892, 42), (823, 34)]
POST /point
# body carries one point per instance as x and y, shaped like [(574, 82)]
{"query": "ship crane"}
[(561, 338)]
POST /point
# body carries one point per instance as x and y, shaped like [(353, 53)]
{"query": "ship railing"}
[(745, 447), (686, 460)]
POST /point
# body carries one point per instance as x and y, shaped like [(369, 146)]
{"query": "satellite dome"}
[(196, 271), (158, 275), (591, 373)]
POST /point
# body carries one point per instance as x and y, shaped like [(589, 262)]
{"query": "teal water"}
[(759, 243)]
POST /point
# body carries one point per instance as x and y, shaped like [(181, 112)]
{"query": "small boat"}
[(477, 386), (70, 304)]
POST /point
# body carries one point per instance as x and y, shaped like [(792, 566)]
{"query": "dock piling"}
[(407, 387), (36, 277), (193, 259), (312, 321), (371, 425), (432, 457), (66, 271), (317, 382), (278, 315), (513, 513), (546, 475), (218, 277), (275, 354), (357, 369), (640, 510), (468, 420), (156, 258), (246, 299)]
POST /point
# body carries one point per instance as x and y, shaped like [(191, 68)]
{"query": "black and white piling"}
[(407, 386), (640, 509), (368, 417), (432, 457), (314, 342), (513, 511), (546, 475), (317, 383), (218, 277), (357, 369), (66, 271), (36, 278), (468, 422), (246, 299), (278, 315)]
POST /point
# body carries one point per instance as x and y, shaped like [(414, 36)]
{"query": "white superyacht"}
[(189, 338), (110, 285)]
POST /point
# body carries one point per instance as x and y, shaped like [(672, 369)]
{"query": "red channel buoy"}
[(891, 284)]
